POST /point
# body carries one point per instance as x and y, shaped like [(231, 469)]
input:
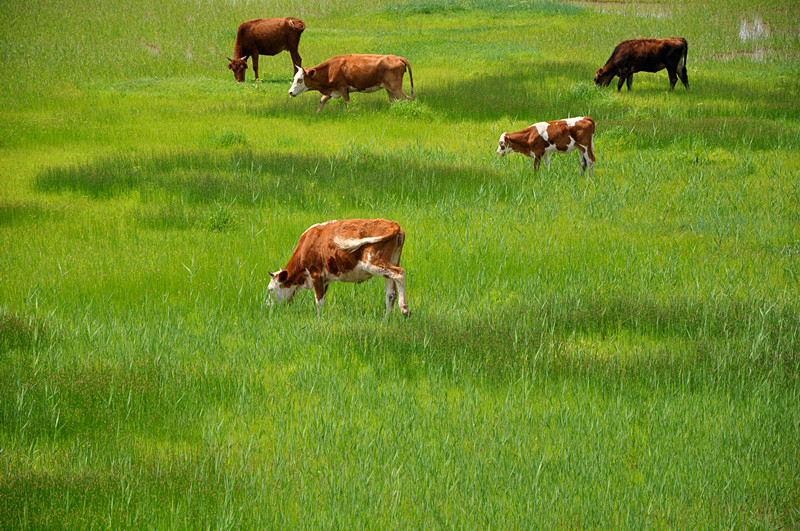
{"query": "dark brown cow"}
[(542, 138), (352, 250), (339, 76), (645, 55), (266, 36)]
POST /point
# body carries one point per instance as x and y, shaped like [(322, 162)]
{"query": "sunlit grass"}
[(618, 351)]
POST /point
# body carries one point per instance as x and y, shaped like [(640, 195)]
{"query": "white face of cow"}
[(503, 147), (299, 83), (278, 294)]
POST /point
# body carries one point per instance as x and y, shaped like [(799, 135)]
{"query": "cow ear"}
[(310, 73), (283, 276)]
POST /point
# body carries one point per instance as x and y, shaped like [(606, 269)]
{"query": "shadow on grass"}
[(527, 90), (617, 340), (202, 178)]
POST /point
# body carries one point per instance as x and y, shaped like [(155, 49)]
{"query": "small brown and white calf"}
[(542, 138), (351, 250), (339, 76)]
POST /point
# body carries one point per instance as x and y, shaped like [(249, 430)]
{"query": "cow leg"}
[(322, 101), (587, 159), (546, 159), (536, 160), (673, 78), (399, 275), (396, 94), (296, 60), (394, 274), (629, 81), (255, 65), (391, 296), (320, 289), (622, 78)]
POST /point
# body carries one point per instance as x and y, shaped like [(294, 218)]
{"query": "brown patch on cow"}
[(333, 267), (559, 134)]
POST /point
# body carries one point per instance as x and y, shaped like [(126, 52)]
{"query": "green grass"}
[(616, 352)]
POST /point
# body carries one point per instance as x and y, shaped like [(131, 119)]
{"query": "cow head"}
[(504, 146), (299, 83), (603, 77), (238, 65), (278, 292)]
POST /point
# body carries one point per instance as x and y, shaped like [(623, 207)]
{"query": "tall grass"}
[(615, 351)]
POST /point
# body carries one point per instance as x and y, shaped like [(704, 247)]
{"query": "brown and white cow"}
[(543, 138), (351, 250), (645, 55), (266, 36), (339, 76)]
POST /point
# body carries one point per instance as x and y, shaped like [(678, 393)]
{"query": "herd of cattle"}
[(357, 249)]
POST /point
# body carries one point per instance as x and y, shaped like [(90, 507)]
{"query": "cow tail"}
[(351, 244), (685, 53), (410, 76)]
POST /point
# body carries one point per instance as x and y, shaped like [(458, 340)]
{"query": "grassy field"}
[(615, 352)]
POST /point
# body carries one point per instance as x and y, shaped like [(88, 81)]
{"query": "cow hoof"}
[(405, 311)]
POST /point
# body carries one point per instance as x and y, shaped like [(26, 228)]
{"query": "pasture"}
[(615, 351)]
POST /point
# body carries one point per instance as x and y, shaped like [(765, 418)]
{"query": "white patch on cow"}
[(541, 128), (298, 84), (359, 273), (278, 293), (572, 121)]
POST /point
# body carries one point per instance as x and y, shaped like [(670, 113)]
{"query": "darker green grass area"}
[(705, 344), (450, 7), (18, 331), (17, 213), (352, 178), (125, 493)]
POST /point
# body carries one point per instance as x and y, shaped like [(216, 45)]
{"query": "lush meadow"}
[(615, 351)]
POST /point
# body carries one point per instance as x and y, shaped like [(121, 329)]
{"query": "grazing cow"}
[(352, 250), (266, 36), (340, 75), (645, 55), (542, 138)]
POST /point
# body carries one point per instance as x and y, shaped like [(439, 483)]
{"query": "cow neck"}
[(519, 139), (296, 273)]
